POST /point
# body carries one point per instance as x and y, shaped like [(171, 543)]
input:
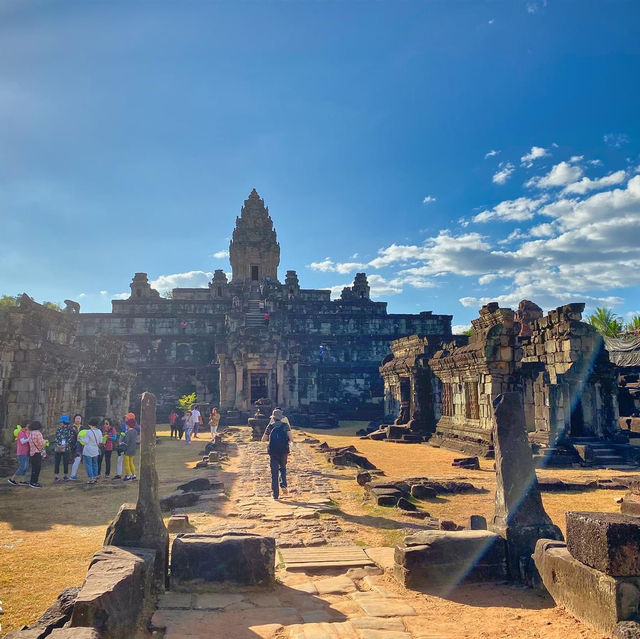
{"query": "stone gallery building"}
[(260, 335), (558, 363)]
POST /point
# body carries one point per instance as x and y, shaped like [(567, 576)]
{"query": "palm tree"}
[(606, 322), (633, 325)]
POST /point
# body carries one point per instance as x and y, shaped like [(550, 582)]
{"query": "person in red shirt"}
[(266, 319), (22, 451)]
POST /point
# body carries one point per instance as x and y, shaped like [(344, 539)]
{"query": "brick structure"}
[(215, 340), (47, 370)]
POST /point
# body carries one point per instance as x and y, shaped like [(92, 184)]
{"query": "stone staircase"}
[(599, 453), (254, 317)]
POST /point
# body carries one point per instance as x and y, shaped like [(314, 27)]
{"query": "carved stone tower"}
[(254, 252)]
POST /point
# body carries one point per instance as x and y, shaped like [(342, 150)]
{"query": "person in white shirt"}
[(197, 419), (91, 450)]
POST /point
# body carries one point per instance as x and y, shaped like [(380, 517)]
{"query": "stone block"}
[(420, 491), (195, 485), (438, 560), (630, 505), (179, 524), (178, 499), (235, 557), (609, 542), (116, 591), (75, 633), (594, 597), (477, 522), (626, 630)]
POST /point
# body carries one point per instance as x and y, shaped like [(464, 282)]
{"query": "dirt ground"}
[(48, 536)]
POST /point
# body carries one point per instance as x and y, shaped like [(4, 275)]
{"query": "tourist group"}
[(75, 444)]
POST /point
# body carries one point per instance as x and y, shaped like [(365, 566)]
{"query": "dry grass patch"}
[(48, 536)]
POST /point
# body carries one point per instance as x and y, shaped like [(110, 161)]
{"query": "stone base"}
[(469, 446), (590, 595), (235, 557), (438, 561), (117, 592)]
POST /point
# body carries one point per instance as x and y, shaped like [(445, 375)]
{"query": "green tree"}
[(468, 332), (185, 401), (634, 324), (606, 322), (9, 301), (52, 305)]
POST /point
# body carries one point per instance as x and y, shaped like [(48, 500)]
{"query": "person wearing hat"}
[(278, 434), (62, 444)]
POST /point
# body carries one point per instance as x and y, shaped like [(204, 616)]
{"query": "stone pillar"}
[(519, 516), (280, 381), (295, 398), (239, 386), (141, 526)]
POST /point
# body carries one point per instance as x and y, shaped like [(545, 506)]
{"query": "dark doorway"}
[(258, 386), (254, 273), (577, 420), (405, 389)]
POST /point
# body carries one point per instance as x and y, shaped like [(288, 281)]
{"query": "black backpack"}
[(278, 439)]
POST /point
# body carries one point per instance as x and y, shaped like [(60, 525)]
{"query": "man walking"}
[(278, 433)]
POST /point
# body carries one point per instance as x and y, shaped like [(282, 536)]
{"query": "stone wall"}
[(46, 370)]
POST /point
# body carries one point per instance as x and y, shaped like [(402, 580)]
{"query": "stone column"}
[(280, 382), (141, 526), (519, 516), (239, 386)]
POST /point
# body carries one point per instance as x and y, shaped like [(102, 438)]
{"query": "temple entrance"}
[(254, 272), (258, 386), (577, 420)]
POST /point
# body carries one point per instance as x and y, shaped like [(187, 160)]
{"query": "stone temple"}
[(216, 341)]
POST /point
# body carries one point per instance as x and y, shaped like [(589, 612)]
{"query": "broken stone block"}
[(608, 542), (420, 491), (235, 557), (468, 463), (75, 633), (179, 524), (405, 504), (195, 485), (594, 597), (386, 496), (349, 458), (477, 522), (116, 591), (438, 561), (178, 499), (630, 505), (626, 630)]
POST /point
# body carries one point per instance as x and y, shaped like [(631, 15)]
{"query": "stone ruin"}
[(47, 369), (557, 363), (259, 422), (596, 574), (438, 560)]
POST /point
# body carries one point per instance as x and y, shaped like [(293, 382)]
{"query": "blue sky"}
[(458, 152)]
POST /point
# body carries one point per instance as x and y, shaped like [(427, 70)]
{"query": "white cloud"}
[(536, 152), (190, 279), (516, 234), (221, 254), (574, 159), (560, 175), (329, 266), (595, 162), (522, 208), (488, 278), (103, 292), (398, 253), (616, 140), (491, 21), (120, 296), (501, 176), (82, 295), (491, 153), (428, 199), (459, 329), (587, 184)]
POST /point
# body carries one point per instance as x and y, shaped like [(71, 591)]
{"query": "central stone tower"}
[(254, 251)]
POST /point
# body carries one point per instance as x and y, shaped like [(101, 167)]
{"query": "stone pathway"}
[(303, 518), (347, 606), (338, 603)]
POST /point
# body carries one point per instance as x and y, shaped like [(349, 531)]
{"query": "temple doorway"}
[(577, 420), (258, 386)]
